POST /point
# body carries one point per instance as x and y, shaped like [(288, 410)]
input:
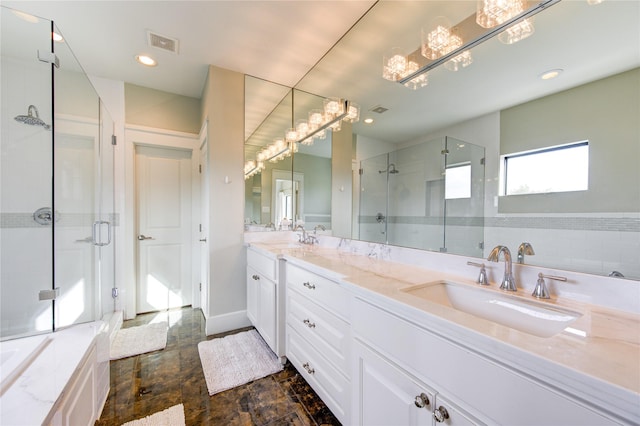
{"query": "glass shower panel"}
[(26, 258), (83, 196), (464, 198), (374, 199)]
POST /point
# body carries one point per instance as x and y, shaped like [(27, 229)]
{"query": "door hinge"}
[(199, 227), (49, 294), (200, 286), (114, 292), (49, 58), (360, 171), (114, 140), (199, 168), (444, 151), (482, 161)]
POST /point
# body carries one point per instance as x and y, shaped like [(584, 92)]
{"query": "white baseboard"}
[(226, 322)]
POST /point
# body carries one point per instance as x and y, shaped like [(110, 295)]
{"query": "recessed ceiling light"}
[(548, 75), (368, 120), (57, 37), (146, 60)]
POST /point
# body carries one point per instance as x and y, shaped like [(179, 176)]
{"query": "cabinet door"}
[(386, 395), (267, 311), (253, 284)]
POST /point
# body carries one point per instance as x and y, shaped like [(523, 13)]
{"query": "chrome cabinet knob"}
[(255, 277), (422, 400), (440, 414), (309, 285), (309, 324)]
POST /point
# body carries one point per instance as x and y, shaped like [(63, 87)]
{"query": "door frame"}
[(158, 138)]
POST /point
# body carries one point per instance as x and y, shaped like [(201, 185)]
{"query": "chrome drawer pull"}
[(309, 285), (255, 277), (422, 400), (440, 414), (309, 369), (309, 323)]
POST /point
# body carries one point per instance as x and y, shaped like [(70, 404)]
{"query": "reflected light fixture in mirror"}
[(491, 13)]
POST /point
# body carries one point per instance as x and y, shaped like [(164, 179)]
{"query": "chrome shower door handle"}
[(97, 235), (143, 237)]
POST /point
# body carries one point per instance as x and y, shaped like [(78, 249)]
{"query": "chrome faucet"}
[(524, 248), (508, 281), (305, 238)]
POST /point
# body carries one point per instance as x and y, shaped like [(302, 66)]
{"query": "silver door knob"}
[(203, 240), (142, 237)]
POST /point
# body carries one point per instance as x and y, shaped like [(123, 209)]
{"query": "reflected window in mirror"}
[(457, 183), (561, 168)]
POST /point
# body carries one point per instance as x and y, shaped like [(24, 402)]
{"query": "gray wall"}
[(155, 108), (606, 114)]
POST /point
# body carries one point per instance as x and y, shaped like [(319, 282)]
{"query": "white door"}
[(163, 183), (204, 230)]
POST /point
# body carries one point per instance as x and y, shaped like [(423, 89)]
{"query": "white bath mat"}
[(138, 340), (173, 416), (235, 360)]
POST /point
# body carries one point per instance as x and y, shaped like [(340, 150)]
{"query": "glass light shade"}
[(316, 119), (517, 32), (394, 64), (337, 126), (435, 41), (291, 135), (353, 113), (461, 61), (302, 127), (490, 13), (333, 107)]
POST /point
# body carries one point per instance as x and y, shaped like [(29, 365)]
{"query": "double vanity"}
[(387, 335)]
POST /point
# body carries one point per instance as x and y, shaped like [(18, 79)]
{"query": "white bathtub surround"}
[(17, 355), (71, 372)]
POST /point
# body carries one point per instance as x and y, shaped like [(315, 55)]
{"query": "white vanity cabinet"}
[(264, 298), (396, 360), (319, 336)]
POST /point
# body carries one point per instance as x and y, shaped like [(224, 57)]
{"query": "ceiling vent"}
[(379, 109), (162, 42)]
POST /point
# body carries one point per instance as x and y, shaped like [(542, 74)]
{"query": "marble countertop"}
[(603, 344)]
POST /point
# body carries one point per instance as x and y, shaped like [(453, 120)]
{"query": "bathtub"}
[(51, 378), (16, 356)]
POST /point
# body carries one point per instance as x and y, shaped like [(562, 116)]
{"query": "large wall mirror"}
[(500, 103)]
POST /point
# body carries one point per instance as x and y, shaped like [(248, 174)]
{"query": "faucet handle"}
[(541, 291), (482, 277)]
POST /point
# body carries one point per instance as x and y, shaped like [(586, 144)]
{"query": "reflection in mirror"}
[(499, 102), (428, 196)]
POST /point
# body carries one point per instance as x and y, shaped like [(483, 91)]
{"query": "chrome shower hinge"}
[(49, 58), (114, 292), (50, 294)]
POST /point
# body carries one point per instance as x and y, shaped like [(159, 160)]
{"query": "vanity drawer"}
[(332, 387), (329, 334), (264, 265), (324, 292)]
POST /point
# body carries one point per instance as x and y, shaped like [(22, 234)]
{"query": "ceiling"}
[(335, 48), (278, 41)]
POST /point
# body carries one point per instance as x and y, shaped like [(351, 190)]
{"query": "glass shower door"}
[(373, 199), (26, 169)]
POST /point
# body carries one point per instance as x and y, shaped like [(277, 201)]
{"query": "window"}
[(556, 169), (457, 182)]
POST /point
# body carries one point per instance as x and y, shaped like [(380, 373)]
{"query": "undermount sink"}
[(529, 316)]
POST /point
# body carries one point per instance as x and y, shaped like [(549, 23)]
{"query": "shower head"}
[(32, 118), (391, 168)]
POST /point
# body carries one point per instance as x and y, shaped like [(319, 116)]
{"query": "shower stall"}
[(428, 196), (57, 254)]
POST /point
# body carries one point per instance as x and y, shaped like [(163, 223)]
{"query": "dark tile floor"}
[(144, 384)]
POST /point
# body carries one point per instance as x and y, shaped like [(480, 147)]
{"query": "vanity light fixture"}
[(492, 19), (305, 132), (548, 75), (368, 120), (146, 60)]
